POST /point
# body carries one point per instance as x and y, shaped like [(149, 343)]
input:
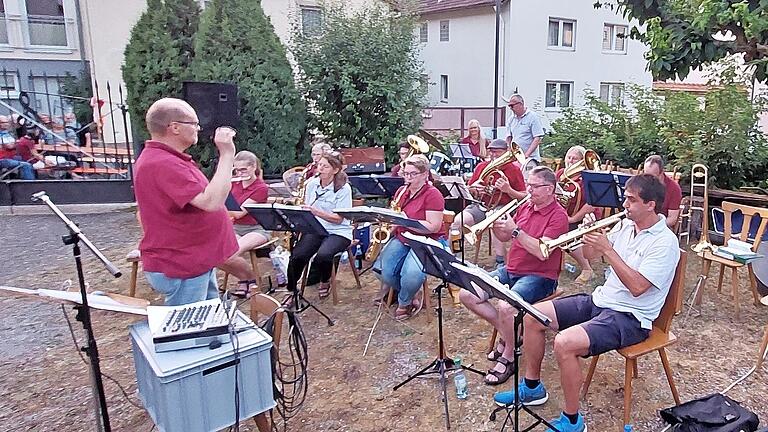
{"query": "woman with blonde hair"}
[(478, 143)]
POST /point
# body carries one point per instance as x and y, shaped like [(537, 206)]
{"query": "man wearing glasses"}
[(527, 271), (524, 127), (187, 232)]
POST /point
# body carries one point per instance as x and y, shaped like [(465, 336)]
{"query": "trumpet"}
[(471, 233), (574, 239)]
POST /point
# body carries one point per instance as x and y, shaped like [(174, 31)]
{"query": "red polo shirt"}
[(6, 153), (24, 146), (512, 172), (474, 147), (672, 196), (551, 222), (396, 170), (257, 191), (416, 207), (180, 240)]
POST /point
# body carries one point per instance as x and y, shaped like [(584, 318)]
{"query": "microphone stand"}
[(74, 238)]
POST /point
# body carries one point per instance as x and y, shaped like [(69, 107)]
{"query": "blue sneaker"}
[(562, 424), (528, 396)]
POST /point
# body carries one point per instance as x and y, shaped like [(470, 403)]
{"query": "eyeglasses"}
[(240, 169), (193, 123), (512, 105), (411, 173), (537, 185)]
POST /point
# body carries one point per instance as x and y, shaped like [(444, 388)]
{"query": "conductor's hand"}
[(598, 241), (224, 138)]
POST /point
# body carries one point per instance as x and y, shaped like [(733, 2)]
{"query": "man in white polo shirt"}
[(642, 253)]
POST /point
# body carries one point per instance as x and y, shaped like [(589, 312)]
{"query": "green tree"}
[(686, 34), (236, 43), (158, 56), (361, 76), (80, 87)]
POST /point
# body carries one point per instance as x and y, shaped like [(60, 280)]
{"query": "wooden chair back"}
[(664, 320), (262, 304), (748, 212)]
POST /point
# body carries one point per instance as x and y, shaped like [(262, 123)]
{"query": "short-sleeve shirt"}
[(672, 196), (524, 129), (550, 221), (311, 170), (416, 207), (180, 240), (512, 172), (577, 202), (474, 147), (396, 170), (6, 153), (24, 148), (257, 191), (328, 199), (654, 253)]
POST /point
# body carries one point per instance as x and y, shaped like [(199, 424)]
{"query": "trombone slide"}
[(471, 232)]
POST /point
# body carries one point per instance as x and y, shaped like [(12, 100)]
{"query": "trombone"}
[(574, 239), (471, 233)]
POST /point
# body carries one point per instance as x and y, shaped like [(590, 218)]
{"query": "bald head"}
[(167, 110)]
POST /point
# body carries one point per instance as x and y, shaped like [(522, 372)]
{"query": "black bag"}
[(713, 413)]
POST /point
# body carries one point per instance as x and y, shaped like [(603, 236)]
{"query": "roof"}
[(432, 6), (684, 87)]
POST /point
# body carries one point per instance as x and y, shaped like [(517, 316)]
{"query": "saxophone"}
[(381, 234)]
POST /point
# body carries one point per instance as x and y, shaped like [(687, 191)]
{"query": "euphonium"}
[(489, 175), (590, 162), (471, 232), (380, 235), (574, 239), (418, 146)]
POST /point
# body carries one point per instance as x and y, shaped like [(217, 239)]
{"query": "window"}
[(561, 33), (444, 88), (424, 32), (558, 94), (9, 85), (311, 21), (444, 30), (3, 25), (615, 38), (612, 93), (45, 20)]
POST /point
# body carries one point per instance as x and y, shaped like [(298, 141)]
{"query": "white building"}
[(551, 51)]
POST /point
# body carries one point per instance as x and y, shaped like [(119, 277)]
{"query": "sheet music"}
[(456, 187), (379, 214)]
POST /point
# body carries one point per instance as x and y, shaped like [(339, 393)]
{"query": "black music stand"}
[(376, 185), (462, 152), (604, 189), (280, 217), (380, 215), (231, 203), (437, 262), (475, 281)]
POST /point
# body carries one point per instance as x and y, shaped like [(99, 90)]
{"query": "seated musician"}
[(478, 143), (654, 166), (324, 193), (419, 200), (317, 152), (527, 272), (503, 189), (642, 253), (577, 207), (250, 189), (403, 151)]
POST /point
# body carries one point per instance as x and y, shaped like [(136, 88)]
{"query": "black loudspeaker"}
[(216, 104)]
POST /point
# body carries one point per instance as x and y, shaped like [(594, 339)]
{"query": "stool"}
[(134, 273)]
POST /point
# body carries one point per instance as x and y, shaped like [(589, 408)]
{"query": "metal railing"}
[(455, 119)]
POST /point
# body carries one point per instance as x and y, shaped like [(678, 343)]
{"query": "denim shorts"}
[(607, 329), (184, 291), (532, 288)]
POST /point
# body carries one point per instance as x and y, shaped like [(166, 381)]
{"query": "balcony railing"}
[(47, 30)]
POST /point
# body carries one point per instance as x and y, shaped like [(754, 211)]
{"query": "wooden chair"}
[(707, 257), (764, 344), (660, 337), (253, 255), (336, 262), (492, 340), (262, 304), (134, 261)]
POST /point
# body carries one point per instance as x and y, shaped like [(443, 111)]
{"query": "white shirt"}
[(654, 253), (325, 198)]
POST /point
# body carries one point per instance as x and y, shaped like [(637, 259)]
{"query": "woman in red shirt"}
[(478, 143)]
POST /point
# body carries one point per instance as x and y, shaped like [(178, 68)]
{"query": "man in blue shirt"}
[(524, 127)]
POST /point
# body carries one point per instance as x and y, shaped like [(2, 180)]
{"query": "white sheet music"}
[(456, 187)]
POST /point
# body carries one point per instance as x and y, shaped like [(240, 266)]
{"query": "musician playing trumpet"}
[(577, 207), (494, 190), (527, 272), (400, 267)]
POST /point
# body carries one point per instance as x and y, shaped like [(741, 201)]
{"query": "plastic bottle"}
[(358, 257), (460, 381), (627, 428), (344, 257), (570, 268)]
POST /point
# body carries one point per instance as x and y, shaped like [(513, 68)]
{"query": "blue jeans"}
[(25, 168), (184, 291), (531, 288), (402, 270)]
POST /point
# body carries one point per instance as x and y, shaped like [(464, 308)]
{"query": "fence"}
[(79, 134)]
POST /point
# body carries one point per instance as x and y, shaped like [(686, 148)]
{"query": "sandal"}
[(501, 377), (404, 312), (244, 287), (324, 289), (495, 354)]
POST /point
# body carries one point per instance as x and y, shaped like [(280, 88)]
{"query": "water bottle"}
[(358, 257), (460, 381), (627, 428), (344, 257), (570, 268)]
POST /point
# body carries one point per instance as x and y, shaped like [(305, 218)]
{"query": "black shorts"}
[(607, 329)]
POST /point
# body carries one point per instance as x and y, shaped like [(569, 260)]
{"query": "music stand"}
[(280, 217), (458, 192), (437, 262), (231, 203), (376, 185), (475, 281), (604, 189), (463, 153)]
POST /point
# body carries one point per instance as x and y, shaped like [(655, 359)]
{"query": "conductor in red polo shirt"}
[(187, 232), (527, 271)]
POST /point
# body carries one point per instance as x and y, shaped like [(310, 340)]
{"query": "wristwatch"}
[(515, 233)]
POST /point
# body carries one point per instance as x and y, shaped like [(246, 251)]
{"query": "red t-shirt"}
[(311, 170), (551, 222), (512, 172), (180, 240), (24, 146), (7, 154), (672, 196), (474, 147), (257, 191), (396, 170), (416, 207)]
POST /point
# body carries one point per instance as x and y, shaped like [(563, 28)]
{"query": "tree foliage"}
[(237, 44), (361, 75), (79, 86), (719, 131), (686, 34)]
